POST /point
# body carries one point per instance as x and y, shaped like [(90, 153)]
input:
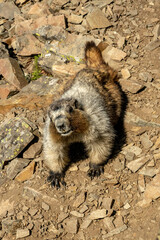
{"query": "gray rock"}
[(16, 166), (8, 9), (136, 164), (97, 19), (10, 226), (15, 135)]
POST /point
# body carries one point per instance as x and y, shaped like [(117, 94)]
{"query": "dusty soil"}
[(27, 199)]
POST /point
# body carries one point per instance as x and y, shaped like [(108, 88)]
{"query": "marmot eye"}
[(70, 109), (55, 108)]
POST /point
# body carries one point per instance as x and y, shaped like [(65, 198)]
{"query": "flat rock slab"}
[(98, 214), (97, 19), (152, 192), (15, 135), (8, 9), (36, 95), (16, 166), (12, 72), (135, 165)]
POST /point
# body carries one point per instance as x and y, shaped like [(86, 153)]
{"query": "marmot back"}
[(85, 112)]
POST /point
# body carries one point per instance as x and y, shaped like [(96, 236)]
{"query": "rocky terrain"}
[(42, 46)]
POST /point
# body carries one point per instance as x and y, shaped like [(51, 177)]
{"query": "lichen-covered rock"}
[(15, 135)]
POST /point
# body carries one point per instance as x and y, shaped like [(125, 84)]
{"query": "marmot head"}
[(61, 112)]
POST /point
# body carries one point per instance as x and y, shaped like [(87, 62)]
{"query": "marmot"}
[(86, 112)]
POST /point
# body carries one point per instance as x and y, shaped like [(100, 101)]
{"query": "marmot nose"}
[(61, 126)]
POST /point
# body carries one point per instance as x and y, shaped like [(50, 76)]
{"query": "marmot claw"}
[(56, 180), (95, 171)]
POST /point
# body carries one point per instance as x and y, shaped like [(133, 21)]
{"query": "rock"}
[(153, 45), (107, 202), (69, 68), (152, 192), (73, 168), (39, 9), (21, 233), (98, 214), (134, 119), (7, 90), (127, 206), (10, 226), (125, 73), (145, 76), (131, 86), (118, 222), (68, 48), (114, 54), (83, 209), (6, 206), (108, 224), (34, 150), (115, 232), (97, 19), (121, 41), (31, 192), (12, 72), (50, 33), (136, 164), (86, 223), (33, 211), (72, 225), (41, 23), (156, 32), (26, 173), (156, 156), (45, 206), (75, 19), (37, 94), (146, 142), (62, 216), (141, 183), (16, 166), (8, 10), (157, 144), (79, 200), (15, 135), (77, 214), (27, 45), (132, 149), (118, 165), (149, 171)]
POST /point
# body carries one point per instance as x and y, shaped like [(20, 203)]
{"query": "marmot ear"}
[(78, 105)]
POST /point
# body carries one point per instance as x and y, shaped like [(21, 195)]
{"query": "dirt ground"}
[(48, 213)]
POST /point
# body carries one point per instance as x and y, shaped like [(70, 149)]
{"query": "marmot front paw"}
[(95, 171), (56, 179)]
